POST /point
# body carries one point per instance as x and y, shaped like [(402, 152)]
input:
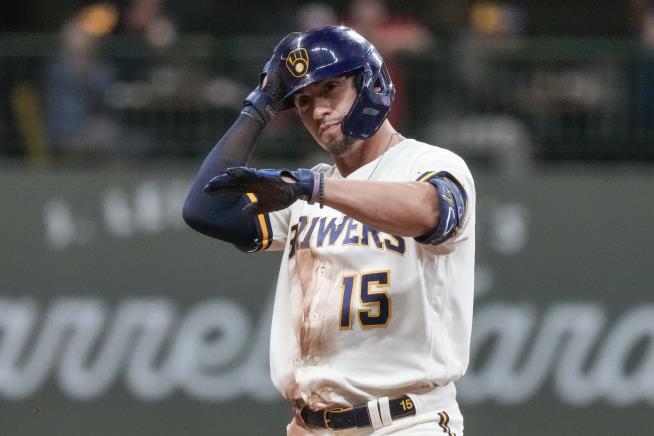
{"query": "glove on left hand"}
[(274, 189), (268, 97)]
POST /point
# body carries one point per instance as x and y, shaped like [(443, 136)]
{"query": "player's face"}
[(322, 107)]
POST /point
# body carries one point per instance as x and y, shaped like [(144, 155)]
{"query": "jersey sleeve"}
[(272, 229), (438, 161)]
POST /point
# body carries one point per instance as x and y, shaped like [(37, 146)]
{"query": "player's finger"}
[(243, 174), (223, 183)]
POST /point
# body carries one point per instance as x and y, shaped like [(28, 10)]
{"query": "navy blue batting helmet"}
[(317, 54)]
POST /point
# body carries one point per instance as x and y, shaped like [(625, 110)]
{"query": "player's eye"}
[(302, 101), (331, 85)]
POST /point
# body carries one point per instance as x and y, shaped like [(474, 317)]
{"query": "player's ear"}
[(378, 86)]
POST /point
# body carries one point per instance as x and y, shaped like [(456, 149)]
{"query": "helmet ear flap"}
[(372, 105), (383, 80)]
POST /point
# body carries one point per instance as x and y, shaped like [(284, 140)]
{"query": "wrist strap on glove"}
[(316, 192), (260, 106), (321, 197)]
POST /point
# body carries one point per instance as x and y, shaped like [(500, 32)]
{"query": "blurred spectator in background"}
[(447, 17), (148, 18), (78, 121), (312, 15), (493, 29), (166, 92), (392, 36), (642, 74), (10, 144), (480, 120), (392, 33), (145, 22)]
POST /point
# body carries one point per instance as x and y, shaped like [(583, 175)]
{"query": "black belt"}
[(357, 416)]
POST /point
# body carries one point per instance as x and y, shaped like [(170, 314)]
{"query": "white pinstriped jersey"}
[(359, 313)]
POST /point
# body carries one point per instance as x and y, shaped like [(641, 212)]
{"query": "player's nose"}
[(321, 108)]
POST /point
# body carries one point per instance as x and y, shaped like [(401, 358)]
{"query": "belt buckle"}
[(325, 420)]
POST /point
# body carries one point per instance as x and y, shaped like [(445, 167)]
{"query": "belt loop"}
[(385, 411), (373, 411)]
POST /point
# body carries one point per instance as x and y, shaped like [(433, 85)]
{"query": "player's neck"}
[(368, 150)]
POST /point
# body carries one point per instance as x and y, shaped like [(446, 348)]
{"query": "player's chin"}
[(330, 141), (341, 147)]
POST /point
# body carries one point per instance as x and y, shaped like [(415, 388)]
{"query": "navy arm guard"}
[(220, 216), (452, 202)]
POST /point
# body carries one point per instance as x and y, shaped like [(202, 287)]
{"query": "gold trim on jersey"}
[(427, 176), (444, 423), (261, 218)]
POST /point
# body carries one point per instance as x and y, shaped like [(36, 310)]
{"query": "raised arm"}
[(220, 216)]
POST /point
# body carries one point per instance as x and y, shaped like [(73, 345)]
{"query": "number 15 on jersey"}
[(374, 302)]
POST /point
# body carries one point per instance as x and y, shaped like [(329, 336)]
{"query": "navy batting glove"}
[(268, 97), (274, 189)]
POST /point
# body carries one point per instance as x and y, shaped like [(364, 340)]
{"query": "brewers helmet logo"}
[(297, 62)]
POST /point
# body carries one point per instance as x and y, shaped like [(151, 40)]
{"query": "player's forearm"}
[(398, 208), (233, 149), (220, 216)]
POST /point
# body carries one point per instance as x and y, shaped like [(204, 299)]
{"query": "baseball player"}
[(373, 308)]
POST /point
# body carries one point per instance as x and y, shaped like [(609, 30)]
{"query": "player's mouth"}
[(324, 128)]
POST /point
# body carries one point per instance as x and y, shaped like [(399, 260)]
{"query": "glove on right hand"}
[(274, 189)]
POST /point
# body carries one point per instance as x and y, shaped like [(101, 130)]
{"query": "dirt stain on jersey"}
[(312, 303), (329, 395), (292, 391)]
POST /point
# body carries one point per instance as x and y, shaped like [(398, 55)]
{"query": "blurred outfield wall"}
[(115, 319)]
